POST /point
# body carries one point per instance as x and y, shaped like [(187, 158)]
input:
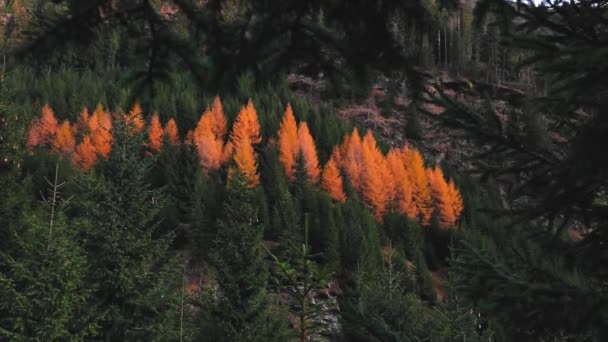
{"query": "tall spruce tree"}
[(44, 295), (298, 277), (131, 270), (240, 309)]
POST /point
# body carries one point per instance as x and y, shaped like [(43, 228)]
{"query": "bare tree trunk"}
[(54, 192)]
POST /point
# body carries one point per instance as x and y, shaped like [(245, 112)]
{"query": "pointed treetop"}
[(85, 155), (309, 153), (171, 132), (155, 134), (244, 161), (331, 181), (288, 143), (135, 119), (43, 129), (63, 143)]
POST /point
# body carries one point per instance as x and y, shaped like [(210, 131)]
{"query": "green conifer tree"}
[(239, 310), (43, 291), (132, 273)]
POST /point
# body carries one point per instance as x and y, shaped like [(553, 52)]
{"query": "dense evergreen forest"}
[(249, 170)]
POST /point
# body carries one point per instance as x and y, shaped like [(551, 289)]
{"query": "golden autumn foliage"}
[(331, 180), (64, 143), (244, 160), (246, 126), (403, 201), (42, 130), (209, 137), (309, 153), (134, 119), (372, 180), (100, 127), (82, 125), (85, 155), (171, 132), (441, 197), (220, 123), (155, 134), (351, 158), (389, 183), (455, 199), (396, 182), (209, 149), (288, 143), (420, 186)]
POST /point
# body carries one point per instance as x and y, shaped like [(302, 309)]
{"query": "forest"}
[(246, 170)]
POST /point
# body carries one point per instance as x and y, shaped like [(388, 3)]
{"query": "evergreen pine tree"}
[(299, 277), (240, 309), (44, 292), (131, 270)]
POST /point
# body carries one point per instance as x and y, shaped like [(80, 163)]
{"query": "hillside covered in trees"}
[(243, 170)]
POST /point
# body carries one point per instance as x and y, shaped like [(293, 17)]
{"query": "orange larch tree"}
[(288, 143), (372, 182), (420, 184), (351, 158), (403, 203), (209, 137), (331, 180), (389, 183), (63, 143), (220, 123), (171, 132), (82, 124), (155, 134), (254, 124), (209, 148), (441, 197), (343, 150), (134, 119), (309, 153), (244, 160), (246, 126), (406, 156), (42, 131), (84, 156), (100, 126), (455, 199)]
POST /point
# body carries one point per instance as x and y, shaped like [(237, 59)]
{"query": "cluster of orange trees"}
[(395, 182), (210, 132), (90, 137)]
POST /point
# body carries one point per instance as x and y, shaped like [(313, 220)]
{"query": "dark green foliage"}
[(299, 276), (548, 158), (109, 271), (130, 266), (381, 309), (385, 308), (45, 295), (205, 207), (220, 41), (180, 173), (359, 240), (526, 272), (375, 317), (239, 310)]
